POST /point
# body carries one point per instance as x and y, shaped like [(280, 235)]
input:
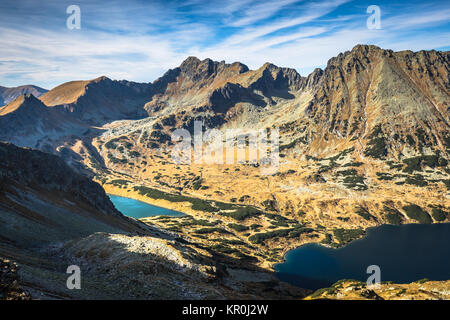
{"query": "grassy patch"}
[(439, 214), (393, 216), (238, 227), (384, 176), (416, 163), (197, 204), (377, 144), (346, 235), (416, 180), (415, 212), (322, 291), (211, 230), (259, 238), (365, 214), (119, 182), (243, 213), (352, 180)]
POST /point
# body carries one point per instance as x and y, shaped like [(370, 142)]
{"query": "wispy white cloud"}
[(310, 13), (259, 11), (417, 19), (142, 40)]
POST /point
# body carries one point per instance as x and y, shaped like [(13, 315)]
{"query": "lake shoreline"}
[(389, 232), (140, 210), (185, 208)]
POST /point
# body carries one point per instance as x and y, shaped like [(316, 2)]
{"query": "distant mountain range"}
[(383, 103), (9, 94)]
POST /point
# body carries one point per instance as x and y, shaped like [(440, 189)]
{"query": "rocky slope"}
[(217, 92), (27, 122), (44, 200), (346, 105), (100, 100), (9, 287), (388, 104), (355, 290), (52, 217)]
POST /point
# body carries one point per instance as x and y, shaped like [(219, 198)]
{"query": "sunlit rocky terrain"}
[(364, 142)]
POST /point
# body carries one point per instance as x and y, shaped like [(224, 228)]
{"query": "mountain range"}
[(347, 103), (9, 94), (363, 142)]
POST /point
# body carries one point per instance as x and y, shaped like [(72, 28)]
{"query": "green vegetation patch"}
[(243, 213), (416, 180), (202, 222), (259, 238), (353, 164), (134, 154), (384, 176), (116, 160), (417, 213), (320, 292), (346, 235), (224, 249), (365, 214), (197, 204), (439, 214), (211, 230), (393, 216), (416, 163), (377, 144), (352, 180), (328, 239), (119, 182), (238, 227)]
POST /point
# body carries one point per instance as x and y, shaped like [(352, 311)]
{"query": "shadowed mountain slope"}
[(51, 218), (101, 100), (43, 200)]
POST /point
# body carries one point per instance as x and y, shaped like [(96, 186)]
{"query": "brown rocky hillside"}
[(363, 142), (52, 217)]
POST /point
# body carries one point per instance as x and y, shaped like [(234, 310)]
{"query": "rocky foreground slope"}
[(355, 290), (52, 217)]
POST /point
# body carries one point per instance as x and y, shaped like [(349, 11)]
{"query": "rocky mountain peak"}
[(24, 103), (270, 76), (198, 70), (101, 78)]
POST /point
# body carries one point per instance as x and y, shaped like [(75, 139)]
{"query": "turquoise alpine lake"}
[(138, 209), (405, 254)]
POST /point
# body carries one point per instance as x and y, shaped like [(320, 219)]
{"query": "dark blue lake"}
[(404, 254), (138, 209)]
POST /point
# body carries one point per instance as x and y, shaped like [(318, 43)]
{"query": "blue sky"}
[(139, 40)]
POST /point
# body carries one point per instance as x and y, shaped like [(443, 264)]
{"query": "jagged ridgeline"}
[(385, 104), (372, 118), (363, 142)]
